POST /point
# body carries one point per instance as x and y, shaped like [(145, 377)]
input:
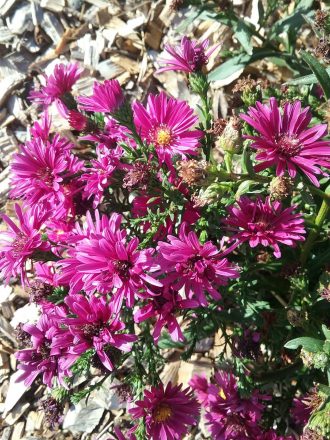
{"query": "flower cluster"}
[(228, 415), (146, 232)]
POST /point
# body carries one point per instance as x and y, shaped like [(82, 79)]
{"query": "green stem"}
[(320, 218), (228, 161), (208, 125)]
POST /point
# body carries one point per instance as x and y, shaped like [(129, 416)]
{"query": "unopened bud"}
[(77, 120), (231, 137)]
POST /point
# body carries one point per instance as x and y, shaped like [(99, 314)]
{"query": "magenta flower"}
[(20, 242), (229, 416), (271, 435), (166, 123), (57, 85), (77, 120), (92, 324), (163, 306), (286, 141), (41, 129), (301, 410), (39, 172), (110, 135), (197, 267), (106, 97), (105, 262), (168, 411), (265, 223), (191, 56), (98, 177), (42, 358)]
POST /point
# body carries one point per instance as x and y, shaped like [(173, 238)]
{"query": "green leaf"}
[(244, 187), (324, 389), (165, 341), (326, 332), (293, 21), (326, 347), (247, 165), (305, 80), (243, 34), (239, 62), (319, 71), (310, 344)]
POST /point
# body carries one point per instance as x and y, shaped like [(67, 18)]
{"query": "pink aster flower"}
[(21, 241), (191, 56), (98, 177), (166, 123), (92, 324), (104, 261), (57, 86), (42, 358), (271, 435), (106, 97), (265, 223), (41, 129), (303, 407), (229, 416), (197, 267), (40, 169), (168, 411), (286, 141), (163, 306), (111, 135)]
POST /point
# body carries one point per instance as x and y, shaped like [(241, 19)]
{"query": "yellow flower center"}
[(222, 394), (162, 413), (163, 136)]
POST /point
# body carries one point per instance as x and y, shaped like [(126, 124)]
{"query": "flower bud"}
[(77, 120), (231, 137)]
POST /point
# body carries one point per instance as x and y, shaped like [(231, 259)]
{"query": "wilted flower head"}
[(168, 411), (285, 141), (190, 56), (139, 175), (106, 97), (265, 223), (53, 410), (57, 85), (166, 123), (197, 267), (193, 172), (20, 241), (280, 187)]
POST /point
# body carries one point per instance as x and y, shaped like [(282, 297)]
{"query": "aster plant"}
[(161, 228)]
